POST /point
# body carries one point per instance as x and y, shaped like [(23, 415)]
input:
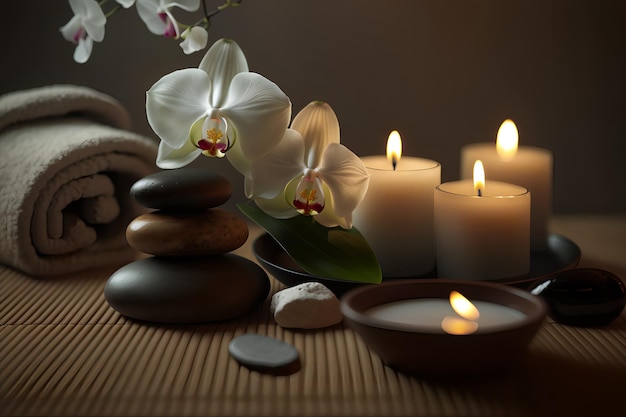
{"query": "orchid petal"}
[(195, 39), (94, 20), (172, 158), (259, 111), (148, 11), (188, 5), (271, 173), (318, 125), (91, 17), (175, 102), (126, 3), (79, 7), (329, 218), (71, 28), (346, 177), (222, 62), (83, 50), (247, 187), (237, 159)]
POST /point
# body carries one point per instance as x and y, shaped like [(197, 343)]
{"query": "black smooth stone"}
[(582, 296), (265, 354), (183, 189), (187, 289)]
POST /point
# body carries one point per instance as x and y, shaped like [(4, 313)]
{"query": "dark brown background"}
[(444, 73)]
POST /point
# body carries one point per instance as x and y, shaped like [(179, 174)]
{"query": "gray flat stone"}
[(265, 354)]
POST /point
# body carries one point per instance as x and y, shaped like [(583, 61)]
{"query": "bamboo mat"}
[(65, 351)]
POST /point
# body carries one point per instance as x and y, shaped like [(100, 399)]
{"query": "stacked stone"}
[(190, 274)]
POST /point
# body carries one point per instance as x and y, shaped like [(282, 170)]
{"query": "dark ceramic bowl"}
[(282, 267), (561, 254), (410, 349)]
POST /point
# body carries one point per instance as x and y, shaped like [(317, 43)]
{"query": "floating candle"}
[(427, 314)]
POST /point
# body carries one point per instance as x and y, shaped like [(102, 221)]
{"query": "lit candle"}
[(438, 315), (396, 215), (528, 166), (482, 229)]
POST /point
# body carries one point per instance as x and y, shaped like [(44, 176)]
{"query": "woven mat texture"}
[(65, 351)]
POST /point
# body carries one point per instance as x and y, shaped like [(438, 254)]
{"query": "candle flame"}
[(466, 324), (463, 307), (455, 325), (507, 139), (394, 148), (479, 177)]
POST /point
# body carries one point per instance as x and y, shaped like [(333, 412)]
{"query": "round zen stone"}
[(265, 354), (183, 189), (210, 232), (187, 290), (582, 296)]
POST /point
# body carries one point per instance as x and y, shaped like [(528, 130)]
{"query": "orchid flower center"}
[(170, 29), (214, 141), (81, 33), (309, 198)]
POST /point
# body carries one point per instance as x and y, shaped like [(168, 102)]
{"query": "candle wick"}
[(480, 193), (394, 163)]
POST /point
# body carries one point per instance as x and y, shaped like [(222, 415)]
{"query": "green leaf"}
[(334, 253)]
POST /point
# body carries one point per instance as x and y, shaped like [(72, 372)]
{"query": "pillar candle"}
[(528, 166), (396, 215), (482, 237)]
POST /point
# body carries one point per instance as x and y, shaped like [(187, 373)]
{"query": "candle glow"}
[(458, 326), (479, 177), (466, 324), (394, 148), (507, 140)]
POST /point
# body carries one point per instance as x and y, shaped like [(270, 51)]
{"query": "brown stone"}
[(211, 232)]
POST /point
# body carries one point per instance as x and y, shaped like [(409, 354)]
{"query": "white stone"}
[(310, 305)]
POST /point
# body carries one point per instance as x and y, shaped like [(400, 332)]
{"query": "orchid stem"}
[(110, 13), (229, 3)]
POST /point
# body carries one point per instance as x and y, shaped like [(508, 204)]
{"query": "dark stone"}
[(187, 290), (210, 232), (582, 296), (265, 354), (183, 189)]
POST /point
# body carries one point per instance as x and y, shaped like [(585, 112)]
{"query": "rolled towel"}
[(67, 162)]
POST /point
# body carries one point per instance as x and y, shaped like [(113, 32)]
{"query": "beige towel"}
[(67, 161)]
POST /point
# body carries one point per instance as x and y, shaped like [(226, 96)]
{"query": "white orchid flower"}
[(207, 110), (195, 38), (310, 172), (157, 15), (126, 3), (85, 27)]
